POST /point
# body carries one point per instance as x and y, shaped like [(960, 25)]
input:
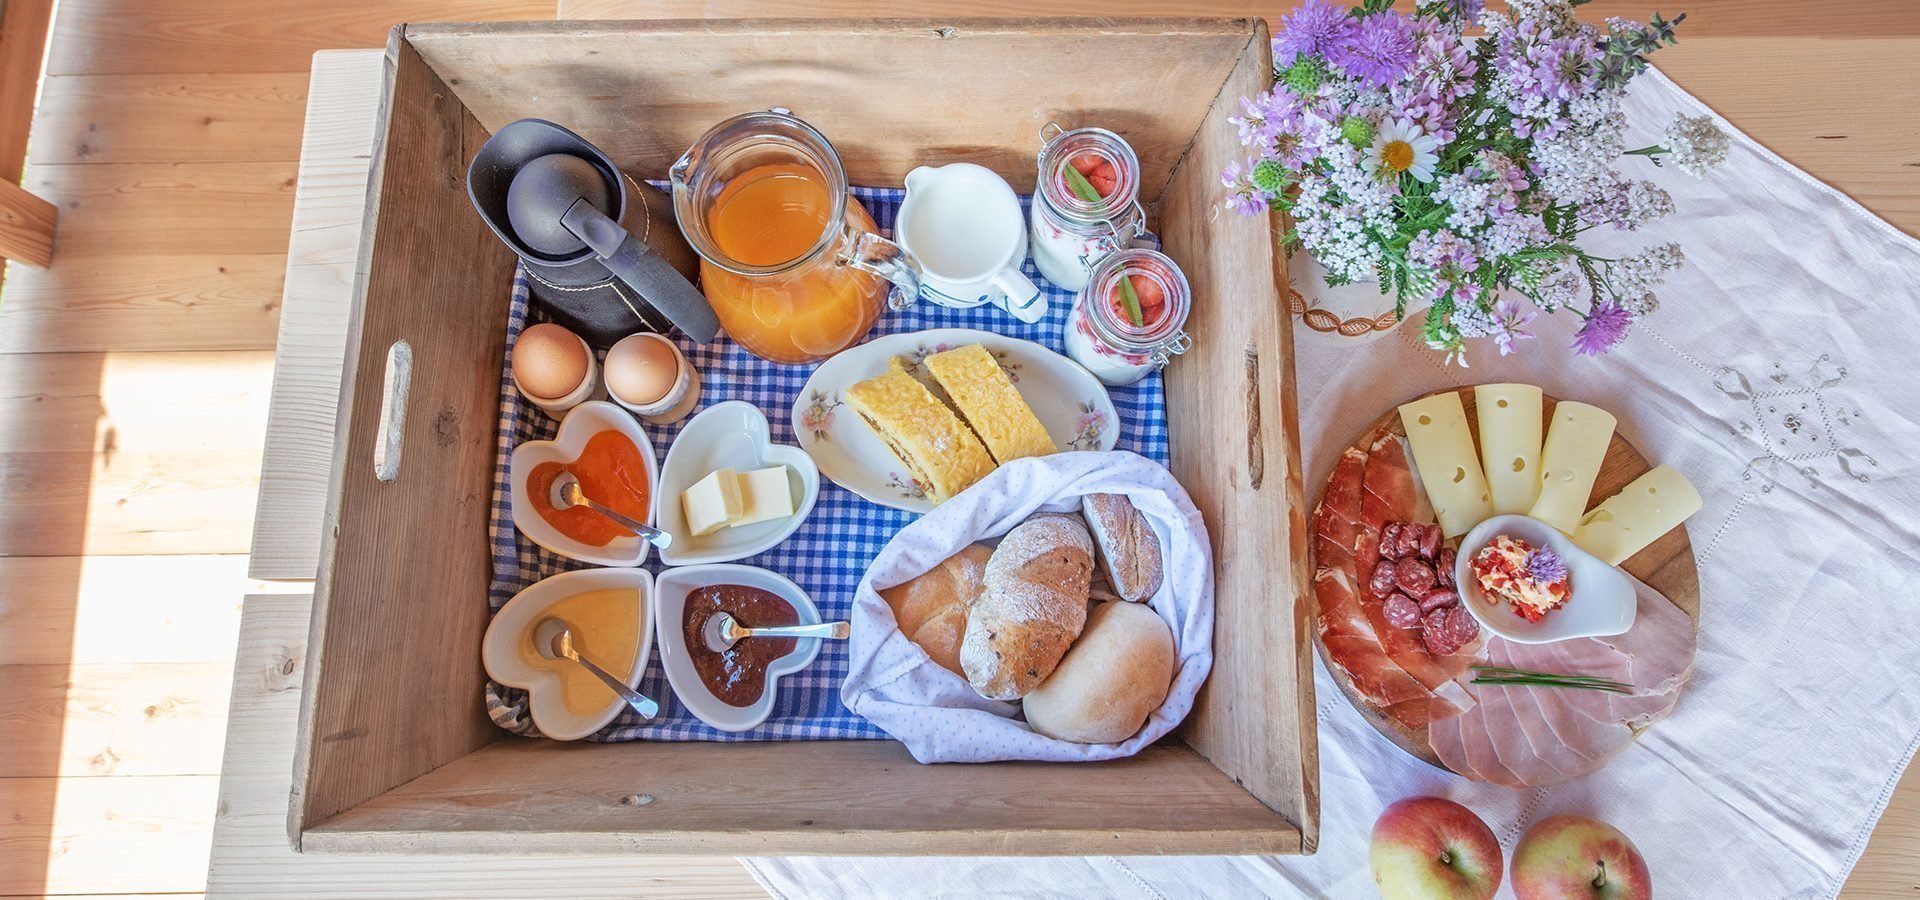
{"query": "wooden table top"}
[(1835, 95)]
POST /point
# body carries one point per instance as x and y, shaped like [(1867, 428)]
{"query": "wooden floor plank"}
[(216, 301), (76, 502), (113, 720), (115, 209), (228, 117), (56, 610), (133, 402), (106, 835), (98, 37)]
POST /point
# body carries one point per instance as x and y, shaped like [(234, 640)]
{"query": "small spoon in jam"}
[(723, 630), (567, 494), (553, 637)]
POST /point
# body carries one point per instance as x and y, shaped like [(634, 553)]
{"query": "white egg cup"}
[(1603, 601), (731, 435), (679, 399)]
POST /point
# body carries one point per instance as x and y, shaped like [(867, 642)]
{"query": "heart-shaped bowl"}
[(1602, 603), (508, 652), (670, 592), (581, 423), (731, 435)]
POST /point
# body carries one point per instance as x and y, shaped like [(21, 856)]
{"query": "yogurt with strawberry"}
[(1085, 205), (1128, 321)]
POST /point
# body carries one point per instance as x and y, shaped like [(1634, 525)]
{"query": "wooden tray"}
[(1666, 565)]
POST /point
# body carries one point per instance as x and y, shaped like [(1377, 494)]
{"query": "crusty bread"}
[(1034, 605), (932, 609), (1129, 550), (1115, 676)]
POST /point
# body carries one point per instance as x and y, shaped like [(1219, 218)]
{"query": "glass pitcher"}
[(793, 265)]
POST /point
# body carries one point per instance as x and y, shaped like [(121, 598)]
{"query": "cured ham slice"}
[(1536, 736), (1390, 495)]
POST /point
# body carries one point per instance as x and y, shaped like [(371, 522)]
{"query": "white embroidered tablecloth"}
[(1782, 375)]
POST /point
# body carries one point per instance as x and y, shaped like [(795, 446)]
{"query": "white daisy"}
[(1400, 146)]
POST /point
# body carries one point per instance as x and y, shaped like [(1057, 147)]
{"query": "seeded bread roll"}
[(1115, 676), (1034, 605), (932, 609), (1129, 550)]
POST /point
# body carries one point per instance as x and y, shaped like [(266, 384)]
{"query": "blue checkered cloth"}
[(826, 557)]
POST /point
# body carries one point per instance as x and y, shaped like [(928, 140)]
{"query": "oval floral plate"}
[(1069, 401)]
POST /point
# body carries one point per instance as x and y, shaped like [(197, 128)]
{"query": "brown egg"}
[(549, 362), (641, 369)]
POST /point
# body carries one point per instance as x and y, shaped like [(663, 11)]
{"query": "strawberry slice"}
[(1097, 171), (1153, 300)]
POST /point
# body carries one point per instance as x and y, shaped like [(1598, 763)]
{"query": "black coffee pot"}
[(603, 252)]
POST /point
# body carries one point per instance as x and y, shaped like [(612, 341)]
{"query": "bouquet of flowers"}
[(1463, 169)]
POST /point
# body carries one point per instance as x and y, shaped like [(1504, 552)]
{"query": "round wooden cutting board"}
[(1666, 565)]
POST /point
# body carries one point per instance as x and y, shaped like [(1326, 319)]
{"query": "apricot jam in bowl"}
[(602, 446), (734, 689)]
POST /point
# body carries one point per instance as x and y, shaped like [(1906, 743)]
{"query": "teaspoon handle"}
[(641, 703), (646, 532), (833, 630)]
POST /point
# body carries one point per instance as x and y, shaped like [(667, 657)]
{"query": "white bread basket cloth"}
[(935, 713)]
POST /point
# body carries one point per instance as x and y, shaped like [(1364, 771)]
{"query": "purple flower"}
[(1546, 566), (1377, 52), (1313, 28), (1508, 320), (1606, 326)]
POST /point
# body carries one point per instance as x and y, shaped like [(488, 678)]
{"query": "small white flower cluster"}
[(1633, 278), (1697, 143), (1562, 285), (1576, 164)]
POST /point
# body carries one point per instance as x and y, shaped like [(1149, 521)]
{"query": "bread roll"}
[(1034, 605), (932, 609), (1115, 676), (1129, 550)]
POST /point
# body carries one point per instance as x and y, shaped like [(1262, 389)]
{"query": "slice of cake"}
[(983, 393), (938, 450)]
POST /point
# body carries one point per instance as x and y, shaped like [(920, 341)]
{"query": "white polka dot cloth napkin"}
[(895, 685)]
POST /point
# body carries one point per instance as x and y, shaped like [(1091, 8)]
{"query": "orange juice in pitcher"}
[(793, 265)]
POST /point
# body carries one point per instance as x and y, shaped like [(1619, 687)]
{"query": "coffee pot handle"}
[(870, 252), (655, 279)]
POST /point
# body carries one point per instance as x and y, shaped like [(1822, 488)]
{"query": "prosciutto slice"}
[(1525, 737)]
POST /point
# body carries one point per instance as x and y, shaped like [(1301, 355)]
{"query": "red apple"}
[(1577, 858), (1430, 847)]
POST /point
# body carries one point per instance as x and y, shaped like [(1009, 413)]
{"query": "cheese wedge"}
[(940, 453), (1625, 523), (1509, 416), (1449, 467), (986, 397), (1570, 461)]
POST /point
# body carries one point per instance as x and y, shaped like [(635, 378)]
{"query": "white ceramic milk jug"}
[(963, 223)]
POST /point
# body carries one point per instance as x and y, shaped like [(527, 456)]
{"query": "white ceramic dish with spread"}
[(499, 650), (1602, 600), (581, 423), (731, 435), (670, 604), (1068, 400)]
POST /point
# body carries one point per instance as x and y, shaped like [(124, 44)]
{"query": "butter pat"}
[(764, 496), (713, 503)]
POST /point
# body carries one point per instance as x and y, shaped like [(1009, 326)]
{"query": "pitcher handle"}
[(870, 252)]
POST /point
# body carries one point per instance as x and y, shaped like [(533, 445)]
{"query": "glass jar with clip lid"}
[(1086, 204), (1131, 317)]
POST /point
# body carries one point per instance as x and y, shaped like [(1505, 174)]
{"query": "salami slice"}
[(1430, 538), (1439, 640), (1382, 584), (1438, 598), (1443, 566), (1401, 611), (1413, 576), (1462, 628), (1390, 540)]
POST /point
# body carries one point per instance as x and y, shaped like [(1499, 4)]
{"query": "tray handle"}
[(393, 411)]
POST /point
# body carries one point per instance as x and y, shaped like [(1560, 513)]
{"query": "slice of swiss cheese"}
[(1510, 427), (1449, 467), (1570, 461), (1625, 523)]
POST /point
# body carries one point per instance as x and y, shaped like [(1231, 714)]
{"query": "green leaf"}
[(1081, 185), (1130, 301)]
